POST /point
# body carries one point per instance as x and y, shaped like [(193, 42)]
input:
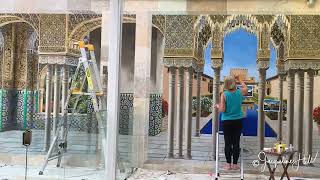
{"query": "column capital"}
[(216, 63), (180, 62), (199, 68), (311, 72), (263, 64), (302, 64), (58, 59), (281, 70)]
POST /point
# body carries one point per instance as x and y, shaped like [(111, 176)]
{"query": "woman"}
[(231, 117)]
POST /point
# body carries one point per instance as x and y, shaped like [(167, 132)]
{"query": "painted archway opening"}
[(240, 55)]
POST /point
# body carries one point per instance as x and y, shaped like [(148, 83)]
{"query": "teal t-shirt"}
[(233, 103)]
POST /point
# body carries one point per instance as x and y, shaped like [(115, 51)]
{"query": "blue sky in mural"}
[(240, 51)]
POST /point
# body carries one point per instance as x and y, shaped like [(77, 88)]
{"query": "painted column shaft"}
[(215, 113), (172, 77), (280, 114), (308, 112), (261, 116), (188, 113), (65, 86), (180, 97), (56, 98), (290, 107), (298, 111), (48, 109), (65, 76), (197, 133)]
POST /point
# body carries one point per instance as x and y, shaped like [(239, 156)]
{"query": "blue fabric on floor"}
[(250, 125)]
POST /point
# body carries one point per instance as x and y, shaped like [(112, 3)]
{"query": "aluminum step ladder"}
[(85, 82), (217, 172)]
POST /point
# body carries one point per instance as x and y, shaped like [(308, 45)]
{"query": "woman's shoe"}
[(227, 166), (235, 167)]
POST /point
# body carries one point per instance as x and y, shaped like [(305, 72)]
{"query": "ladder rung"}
[(54, 157), (87, 94), (99, 94)]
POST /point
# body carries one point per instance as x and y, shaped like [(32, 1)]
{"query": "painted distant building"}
[(243, 75)]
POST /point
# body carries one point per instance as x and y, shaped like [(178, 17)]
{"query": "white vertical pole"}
[(115, 38)]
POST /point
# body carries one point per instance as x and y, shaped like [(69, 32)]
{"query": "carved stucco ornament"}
[(180, 62), (58, 59), (262, 64), (302, 64), (199, 67), (281, 69), (216, 63)]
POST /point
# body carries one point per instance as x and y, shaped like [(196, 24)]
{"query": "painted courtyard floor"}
[(82, 159), (17, 173), (143, 174)]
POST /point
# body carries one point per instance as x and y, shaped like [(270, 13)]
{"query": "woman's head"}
[(230, 83)]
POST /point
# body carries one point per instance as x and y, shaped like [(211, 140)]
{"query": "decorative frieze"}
[(57, 59), (178, 52), (302, 64), (180, 62), (52, 49)]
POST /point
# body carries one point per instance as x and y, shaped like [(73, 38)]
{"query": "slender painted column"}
[(197, 133), (298, 111), (172, 78), (280, 114), (41, 94), (115, 38), (308, 112), (180, 95), (261, 117), (188, 113), (215, 113), (290, 107), (56, 98), (48, 109), (65, 86)]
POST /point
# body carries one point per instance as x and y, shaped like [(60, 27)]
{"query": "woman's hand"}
[(216, 106), (236, 77)]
